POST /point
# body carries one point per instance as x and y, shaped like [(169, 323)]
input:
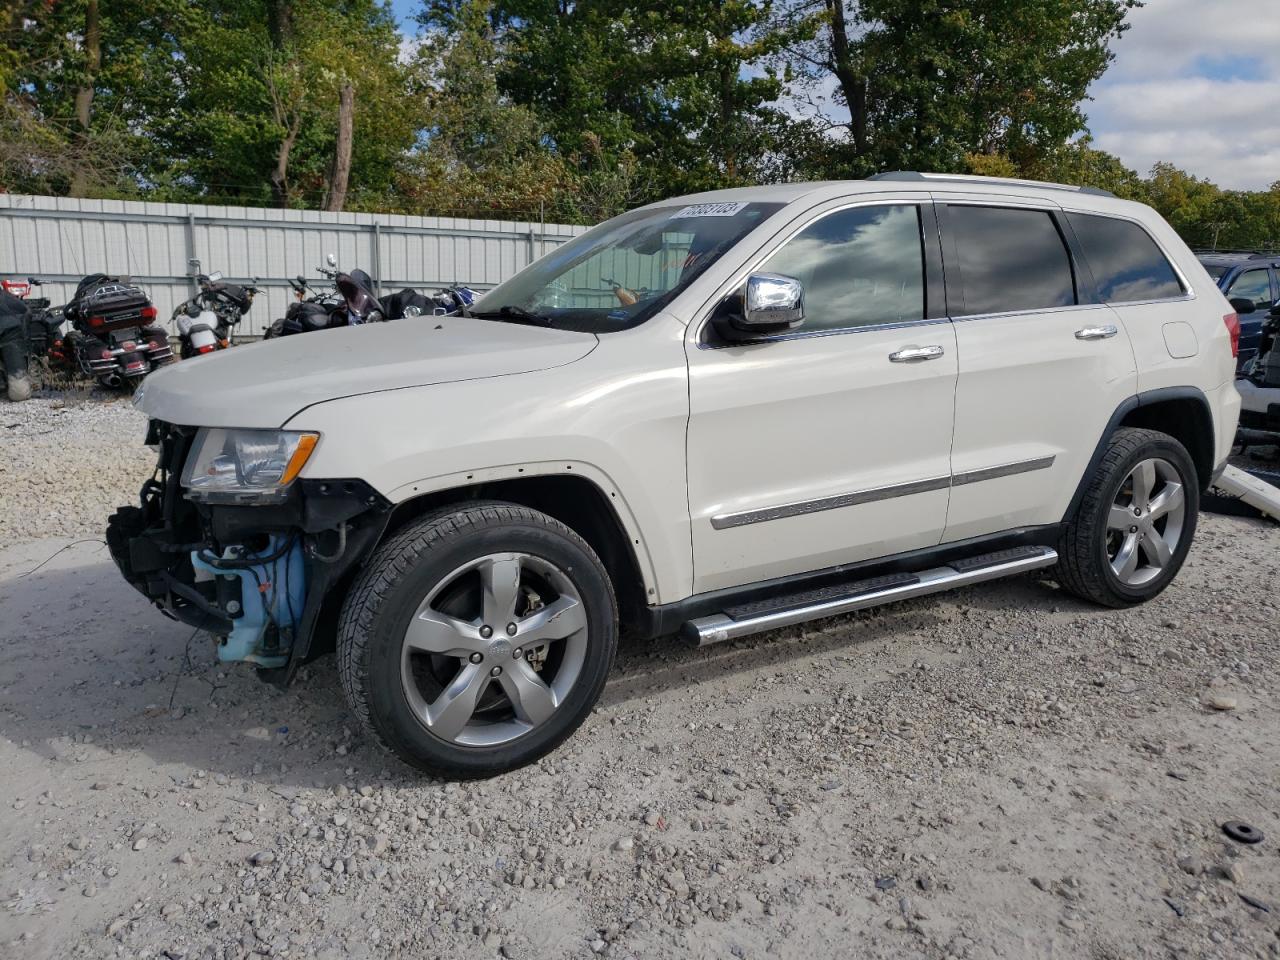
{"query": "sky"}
[(1197, 83), (1194, 82)]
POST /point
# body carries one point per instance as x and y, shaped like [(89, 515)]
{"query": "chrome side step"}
[(765, 615)]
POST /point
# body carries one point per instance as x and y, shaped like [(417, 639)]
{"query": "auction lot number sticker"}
[(711, 210)]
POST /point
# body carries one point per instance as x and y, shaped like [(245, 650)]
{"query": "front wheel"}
[(478, 639), (1136, 520)]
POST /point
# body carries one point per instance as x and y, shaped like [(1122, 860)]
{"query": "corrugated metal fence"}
[(59, 240)]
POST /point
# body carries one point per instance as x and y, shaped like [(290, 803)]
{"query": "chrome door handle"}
[(1097, 333), (915, 354)]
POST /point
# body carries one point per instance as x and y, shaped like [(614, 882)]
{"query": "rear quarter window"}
[(1127, 265)]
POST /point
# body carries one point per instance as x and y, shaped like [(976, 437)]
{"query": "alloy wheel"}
[(1145, 523), (494, 649)]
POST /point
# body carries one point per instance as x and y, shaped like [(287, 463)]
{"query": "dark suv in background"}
[(1248, 275)]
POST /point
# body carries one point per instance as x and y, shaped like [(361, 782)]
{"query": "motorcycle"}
[(351, 301), (113, 335), (204, 323)]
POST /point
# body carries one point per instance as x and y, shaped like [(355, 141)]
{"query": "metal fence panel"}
[(61, 239)]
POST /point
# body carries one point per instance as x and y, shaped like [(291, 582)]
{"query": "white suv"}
[(719, 414)]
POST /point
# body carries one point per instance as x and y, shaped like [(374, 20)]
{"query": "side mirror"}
[(766, 305), (1243, 305), (333, 260)]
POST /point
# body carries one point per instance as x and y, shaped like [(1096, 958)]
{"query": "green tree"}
[(263, 85), (929, 83)]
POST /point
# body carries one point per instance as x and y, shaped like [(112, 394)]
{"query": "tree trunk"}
[(280, 22), (280, 175), (852, 84), (342, 152), (84, 94)]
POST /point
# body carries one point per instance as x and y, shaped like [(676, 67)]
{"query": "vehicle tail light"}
[(128, 345), (148, 313), (97, 321), (1233, 329), (205, 348)]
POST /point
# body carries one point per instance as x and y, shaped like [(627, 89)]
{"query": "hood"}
[(264, 384)]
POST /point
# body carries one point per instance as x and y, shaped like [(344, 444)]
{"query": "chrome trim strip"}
[(725, 521), (1002, 470)]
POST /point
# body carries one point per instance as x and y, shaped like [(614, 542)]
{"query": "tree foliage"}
[(565, 109)]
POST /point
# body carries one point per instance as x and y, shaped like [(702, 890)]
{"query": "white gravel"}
[(66, 460), (999, 772)]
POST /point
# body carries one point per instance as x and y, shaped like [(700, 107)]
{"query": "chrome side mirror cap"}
[(773, 301), (766, 305)]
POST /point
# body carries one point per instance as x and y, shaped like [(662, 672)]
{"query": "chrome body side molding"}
[(724, 521)]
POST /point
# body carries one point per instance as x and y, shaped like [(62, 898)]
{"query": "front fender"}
[(617, 417)]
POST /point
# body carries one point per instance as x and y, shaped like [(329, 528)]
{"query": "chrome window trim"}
[(739, 278), (725, 521), (1037, 312), (802, 334)]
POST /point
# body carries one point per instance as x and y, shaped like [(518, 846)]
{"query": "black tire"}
[(1084, 567), (403, 571)]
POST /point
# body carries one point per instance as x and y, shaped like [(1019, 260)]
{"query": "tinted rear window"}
[(1126, 263), (1215, 270), (1010, 260)]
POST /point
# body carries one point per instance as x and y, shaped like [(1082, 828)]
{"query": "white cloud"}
[(1198, 84)]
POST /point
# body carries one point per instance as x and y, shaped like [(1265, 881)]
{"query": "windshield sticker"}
[(710, 210)]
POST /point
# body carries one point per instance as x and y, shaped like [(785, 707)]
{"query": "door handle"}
[(1097, 333), (915, 354)]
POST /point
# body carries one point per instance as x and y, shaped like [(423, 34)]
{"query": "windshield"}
[(625, 270)]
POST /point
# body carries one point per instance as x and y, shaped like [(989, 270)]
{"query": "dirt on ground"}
[(998, 772)]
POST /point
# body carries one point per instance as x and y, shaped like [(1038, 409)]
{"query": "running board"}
[(746, 619)]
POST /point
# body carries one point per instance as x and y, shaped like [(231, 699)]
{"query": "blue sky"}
[(1194, 82)]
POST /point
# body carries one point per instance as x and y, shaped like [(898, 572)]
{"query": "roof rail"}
[(1237, 252), (913, 175)]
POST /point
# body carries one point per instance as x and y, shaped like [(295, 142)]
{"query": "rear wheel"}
[(1135, 523), (478, 639)]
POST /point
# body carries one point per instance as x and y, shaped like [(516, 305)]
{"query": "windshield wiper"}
[(513, 314)]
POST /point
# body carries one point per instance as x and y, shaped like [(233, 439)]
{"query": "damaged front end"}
[(229, 540)]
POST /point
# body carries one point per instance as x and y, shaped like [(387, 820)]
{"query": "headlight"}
[(245, 466)]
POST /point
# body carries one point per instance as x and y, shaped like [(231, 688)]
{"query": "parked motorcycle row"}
[(112, 336)]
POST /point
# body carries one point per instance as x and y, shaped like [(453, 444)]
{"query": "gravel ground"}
[(66, 459), (998, 772)]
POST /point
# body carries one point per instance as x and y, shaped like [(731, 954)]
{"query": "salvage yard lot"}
[(998, 772)]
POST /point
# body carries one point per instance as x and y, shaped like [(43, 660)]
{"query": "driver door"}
[(832, 443)]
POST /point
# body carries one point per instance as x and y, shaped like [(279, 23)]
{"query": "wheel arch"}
[(569, 495), (1181, 412)]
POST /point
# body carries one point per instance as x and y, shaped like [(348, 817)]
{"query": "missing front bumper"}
[(255, 577)]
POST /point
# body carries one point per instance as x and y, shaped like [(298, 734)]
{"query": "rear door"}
[(1042, 364)]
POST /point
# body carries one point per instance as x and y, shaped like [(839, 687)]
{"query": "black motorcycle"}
[(206, 321), (113, 335), (350, 303)]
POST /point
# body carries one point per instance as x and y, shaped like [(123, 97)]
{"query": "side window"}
[(1010, 259), (859, 267), (1125, 262), (1254, 284)]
